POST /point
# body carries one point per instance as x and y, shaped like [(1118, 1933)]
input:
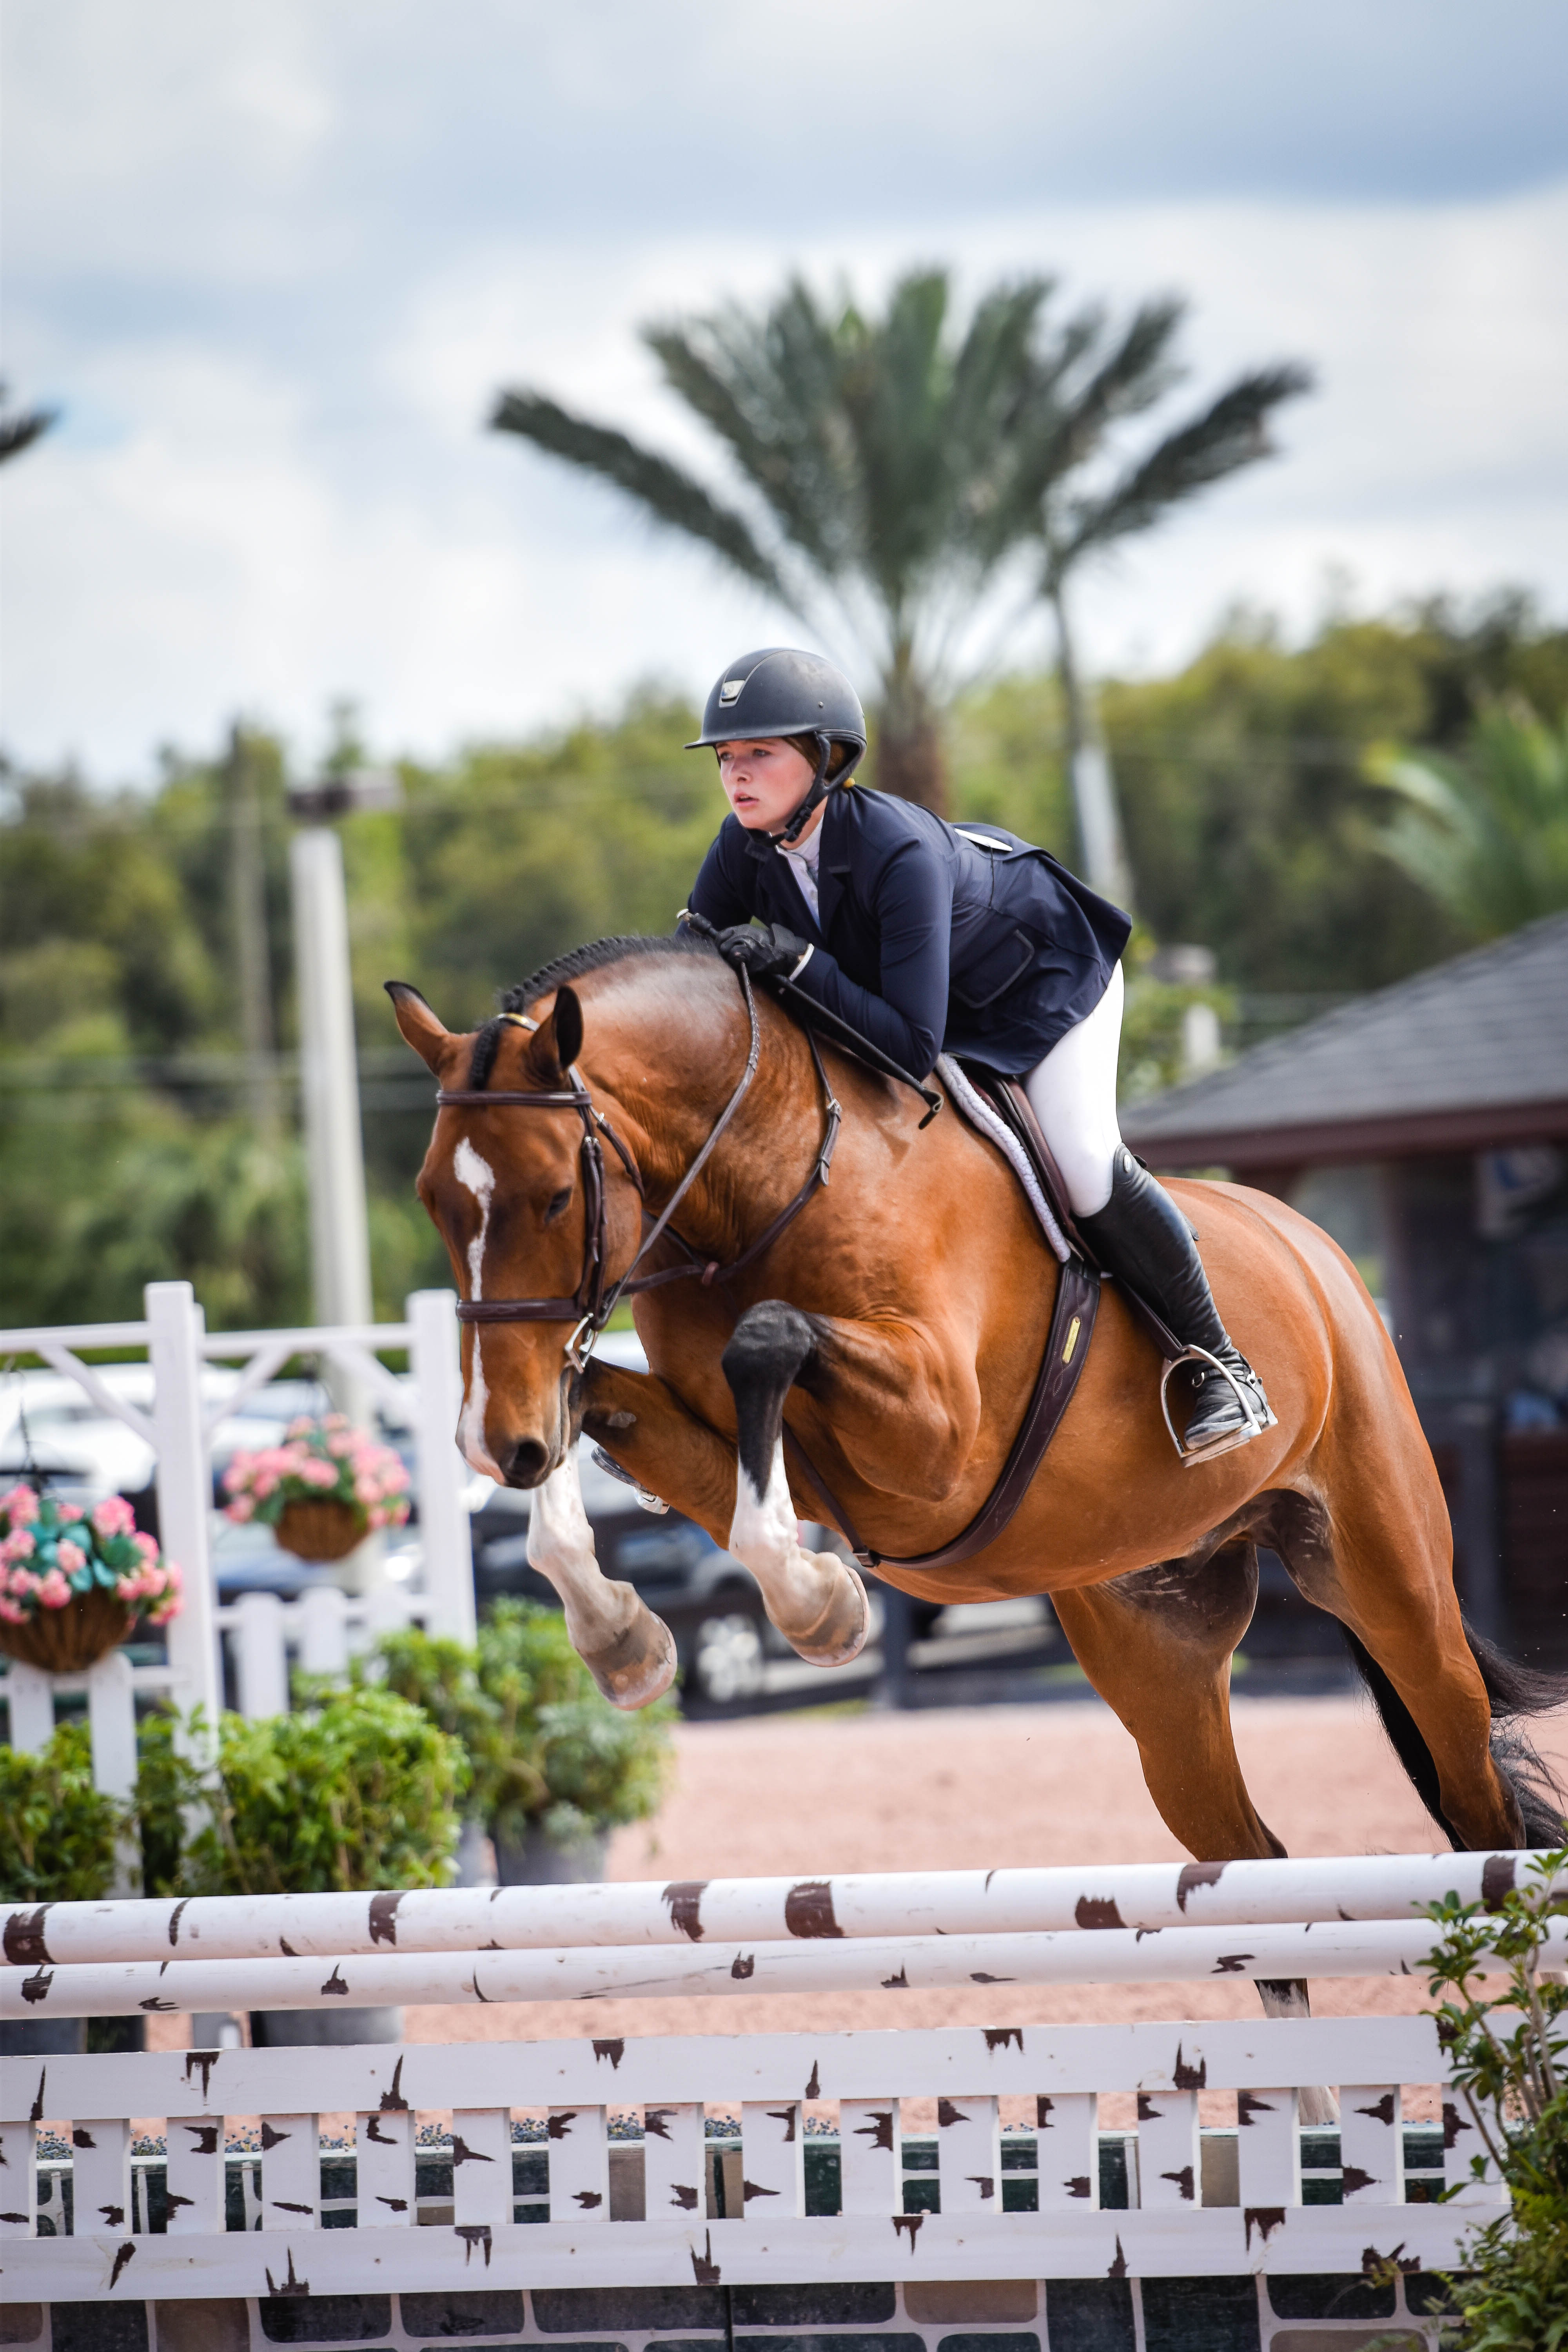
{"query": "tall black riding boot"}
[(1142, 1238)]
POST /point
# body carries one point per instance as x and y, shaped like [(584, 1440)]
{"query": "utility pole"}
[(329, 1073), (329, 1066), (1088, 765), (248, 905)]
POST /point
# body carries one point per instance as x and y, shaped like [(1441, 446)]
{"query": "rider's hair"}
[(807, 745)]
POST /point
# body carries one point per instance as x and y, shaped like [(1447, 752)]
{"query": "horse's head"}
[(505, 1188)]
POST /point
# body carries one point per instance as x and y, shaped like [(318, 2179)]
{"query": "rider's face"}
[(763, 781)]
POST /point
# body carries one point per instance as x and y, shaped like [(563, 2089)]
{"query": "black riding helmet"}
[(781, 691)]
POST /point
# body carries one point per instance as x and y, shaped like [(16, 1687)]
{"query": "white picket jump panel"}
[(1069, 2151), (761, 2234), (1136, 1898)]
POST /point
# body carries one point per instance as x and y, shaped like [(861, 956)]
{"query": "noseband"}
[(595, 1298)]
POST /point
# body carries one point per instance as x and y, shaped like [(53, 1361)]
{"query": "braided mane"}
[(576, 964)]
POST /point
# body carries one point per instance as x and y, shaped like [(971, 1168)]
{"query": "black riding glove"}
[(771, 952)]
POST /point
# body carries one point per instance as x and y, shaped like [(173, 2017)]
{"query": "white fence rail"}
[(325, 1626)]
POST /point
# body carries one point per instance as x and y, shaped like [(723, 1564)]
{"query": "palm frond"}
[(1231, 433), (664, 489), (1485, 835), (20, 428)]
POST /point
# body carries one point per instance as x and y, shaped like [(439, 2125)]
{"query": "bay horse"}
[(894, 1327)]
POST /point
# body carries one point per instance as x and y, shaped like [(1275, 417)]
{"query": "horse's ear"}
[(559, 1040), (418, 1022)]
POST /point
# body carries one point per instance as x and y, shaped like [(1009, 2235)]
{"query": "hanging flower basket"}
[(327, 1530), (73, 1583), (323, 1490)]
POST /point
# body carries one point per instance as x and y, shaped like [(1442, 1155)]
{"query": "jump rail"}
[(1140, 1897)]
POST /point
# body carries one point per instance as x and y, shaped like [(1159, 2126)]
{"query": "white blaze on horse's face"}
[(478, 1178)]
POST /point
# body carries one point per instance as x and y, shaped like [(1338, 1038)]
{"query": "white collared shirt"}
[(802, 859)]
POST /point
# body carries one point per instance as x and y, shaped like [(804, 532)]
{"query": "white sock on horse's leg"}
[(1072, 1092), (629, 1652), (1284, 1998), (815, 1599)]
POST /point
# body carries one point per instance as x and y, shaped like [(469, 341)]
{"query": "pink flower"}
[(20, 1544), (146, 1545), (68, 1512), (317, 1472), (340, 1444), (21, 1505), (242, 1508), (54, 1593), (70, 1555), (12, 1613), (115, 1516)]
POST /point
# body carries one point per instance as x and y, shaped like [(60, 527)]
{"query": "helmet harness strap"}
[(820, 786)]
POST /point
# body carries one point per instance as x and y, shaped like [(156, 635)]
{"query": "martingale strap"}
[(595, 1298)]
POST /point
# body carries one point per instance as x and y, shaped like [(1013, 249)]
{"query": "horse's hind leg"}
[(818, 1603), (1157, 1648), (1384, 1567)]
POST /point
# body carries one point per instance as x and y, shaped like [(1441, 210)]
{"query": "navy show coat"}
[(926, 942)]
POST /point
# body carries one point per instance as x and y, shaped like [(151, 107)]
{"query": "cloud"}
[(276, 263)]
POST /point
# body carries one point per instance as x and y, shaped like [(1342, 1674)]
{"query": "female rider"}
[(930, 938)]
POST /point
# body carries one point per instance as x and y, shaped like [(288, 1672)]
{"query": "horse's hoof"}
[(639, 1665), (840, 1634)]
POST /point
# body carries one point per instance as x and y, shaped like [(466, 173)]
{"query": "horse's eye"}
[(558, 1207)]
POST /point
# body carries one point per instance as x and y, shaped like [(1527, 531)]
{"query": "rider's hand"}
[(768, 952)]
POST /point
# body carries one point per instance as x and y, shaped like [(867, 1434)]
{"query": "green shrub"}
[(546, 1750), (59, 1831), (1508, 2057), (359, 1790)]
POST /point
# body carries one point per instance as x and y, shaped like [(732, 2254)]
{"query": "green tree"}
[(891, 470), (1486, 834)]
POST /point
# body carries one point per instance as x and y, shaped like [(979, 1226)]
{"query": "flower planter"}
[(66, 1640), (328, 1529), (534, 1860), (319, 2028)]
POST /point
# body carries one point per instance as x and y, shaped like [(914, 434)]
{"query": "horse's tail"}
[(1515, 1692)]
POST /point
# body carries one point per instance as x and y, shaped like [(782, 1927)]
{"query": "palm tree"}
[(1076, 524), (1488, 834), (892, 473)]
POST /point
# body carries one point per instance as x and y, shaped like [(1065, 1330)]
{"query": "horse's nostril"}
[(526, 1466)]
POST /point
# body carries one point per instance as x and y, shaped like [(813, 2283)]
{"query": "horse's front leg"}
[(815, 1599), (629, 1652)]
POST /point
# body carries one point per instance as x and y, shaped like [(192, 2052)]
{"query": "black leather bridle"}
[(596, 1297)]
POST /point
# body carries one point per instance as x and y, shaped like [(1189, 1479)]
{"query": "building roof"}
[(1470, 1054)]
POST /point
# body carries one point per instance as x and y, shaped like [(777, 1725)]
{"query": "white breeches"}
[(1073, 1095)]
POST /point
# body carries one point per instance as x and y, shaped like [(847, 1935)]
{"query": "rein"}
[(593, 1302)]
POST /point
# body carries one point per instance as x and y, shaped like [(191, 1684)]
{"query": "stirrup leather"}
[(1252, 1425)]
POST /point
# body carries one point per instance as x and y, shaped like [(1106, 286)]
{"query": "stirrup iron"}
[(1252, 1425)]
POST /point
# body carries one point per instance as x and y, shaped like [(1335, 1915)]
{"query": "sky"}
[(272, 263)]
